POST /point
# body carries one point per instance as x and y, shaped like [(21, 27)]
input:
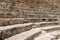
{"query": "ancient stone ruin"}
[(30, 19)]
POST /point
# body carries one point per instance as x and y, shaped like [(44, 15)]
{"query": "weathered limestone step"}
[(42, 19), (38, 23), (47, 27), (9, 31), (25, 35), (50, 27), (45, 24), (48, 36), (55, 35), (12, 21), (44, 36)]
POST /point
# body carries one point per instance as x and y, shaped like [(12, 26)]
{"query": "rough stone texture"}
[(14, 29), (9, 31), (31, 10), (26, 35), (12, 21), (52, 34)]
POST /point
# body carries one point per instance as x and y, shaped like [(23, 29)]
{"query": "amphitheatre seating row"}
[(9, 31), (11, 21), (29, 35), (43, 24), (42, 19)]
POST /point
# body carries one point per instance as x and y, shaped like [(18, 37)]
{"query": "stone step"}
[(9, 31), (12, 21), (29, 35), (42, 35), (43, 19), (48, 36), (42, 28), (53, 34), (45, 24), (13, 14), (23, 15), (50, 27)]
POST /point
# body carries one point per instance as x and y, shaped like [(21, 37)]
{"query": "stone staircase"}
[(28, 28), (19, 21), (29, 35), (10, 9), (37, 33), (9, 31)]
